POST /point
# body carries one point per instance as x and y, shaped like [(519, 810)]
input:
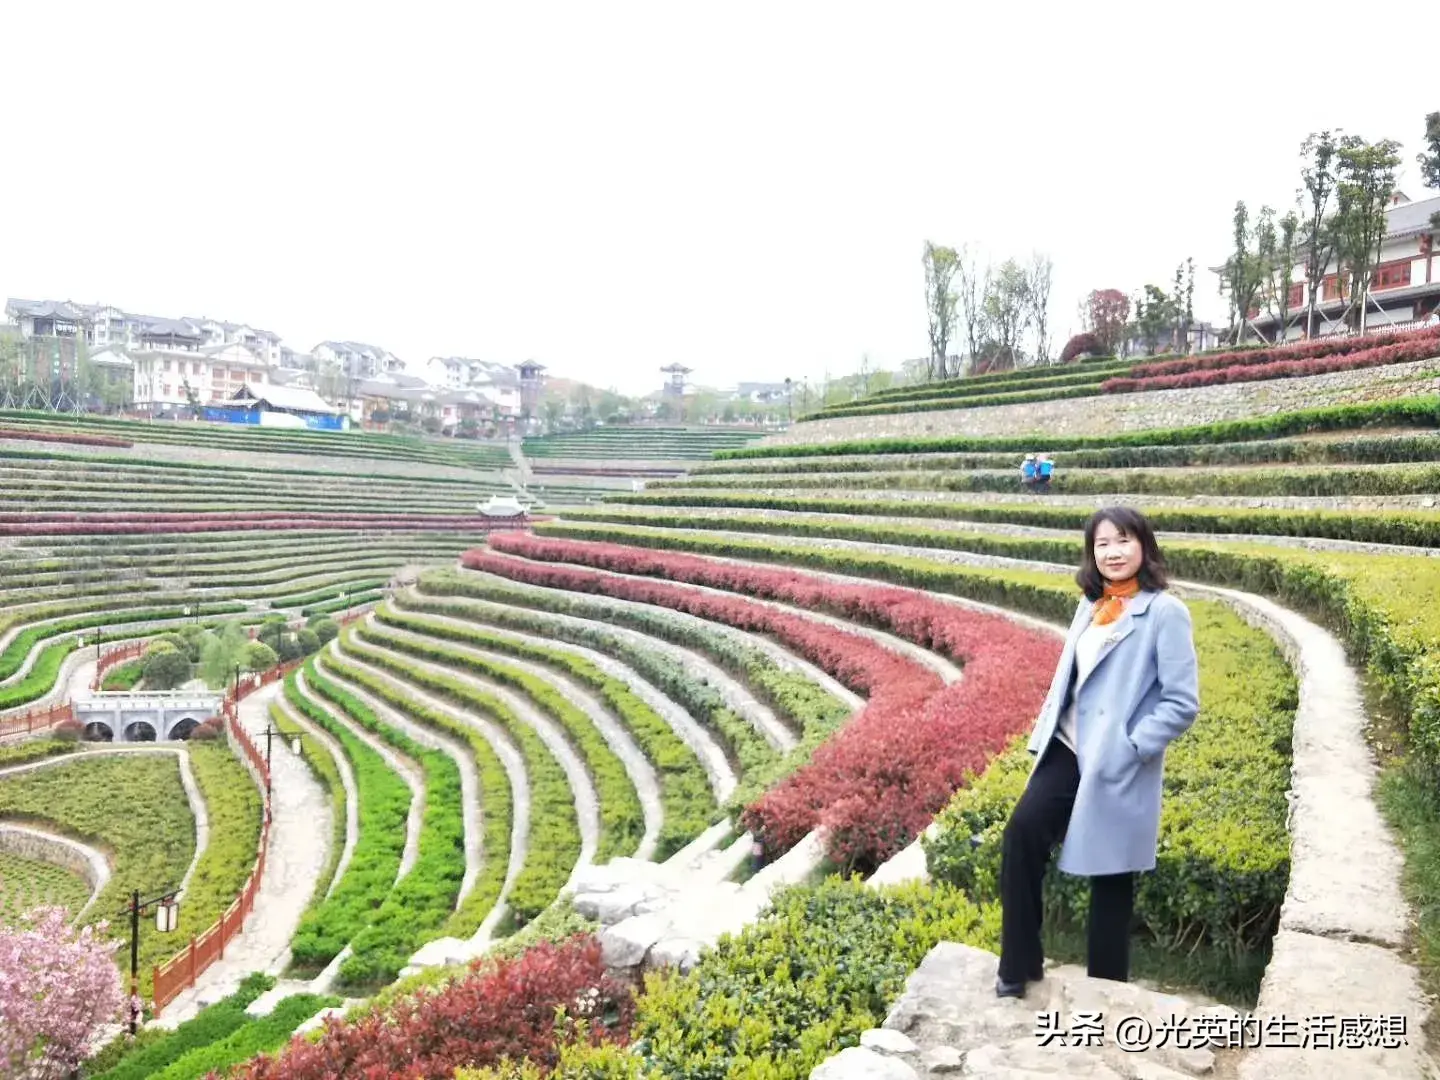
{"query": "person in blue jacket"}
[(1027, 471), (1126, 687), (1044, 468)]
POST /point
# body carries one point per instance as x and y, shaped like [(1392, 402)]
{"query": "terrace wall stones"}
[(1149, 409)]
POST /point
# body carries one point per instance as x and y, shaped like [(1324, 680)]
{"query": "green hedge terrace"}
[(1363, 449), (1418, 528), (1381, 606), (201, 470), (1310, 480), (811, 711), (339, 444), (1083, 371), (156, 1048), (497, 801), (417, 908), (622, 822), (959, 391), (553, 843), (687, 805), (330, 923), (977, 401), (1413, 412), (257, 1035)]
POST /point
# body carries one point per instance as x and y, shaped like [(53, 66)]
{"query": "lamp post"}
[(167, 919)]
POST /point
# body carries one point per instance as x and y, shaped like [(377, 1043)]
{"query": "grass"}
[(26, 884)]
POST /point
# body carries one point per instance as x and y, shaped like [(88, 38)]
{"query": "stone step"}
[(706, 842)]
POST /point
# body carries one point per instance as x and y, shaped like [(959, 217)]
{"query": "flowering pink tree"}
[(57, 987)]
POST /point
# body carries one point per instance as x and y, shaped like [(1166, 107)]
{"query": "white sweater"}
[(1087, 651)]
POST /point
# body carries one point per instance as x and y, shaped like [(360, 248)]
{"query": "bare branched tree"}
[(940, 266), (974, 287), (1038, 294)]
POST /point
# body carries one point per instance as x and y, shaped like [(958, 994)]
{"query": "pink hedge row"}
[(880, 780), (1303, 350), (1421, 348), (64, 437)]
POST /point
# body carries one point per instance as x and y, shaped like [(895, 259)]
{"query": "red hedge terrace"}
[(877, 783)]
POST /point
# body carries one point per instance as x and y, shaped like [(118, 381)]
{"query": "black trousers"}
[(1036, 826)]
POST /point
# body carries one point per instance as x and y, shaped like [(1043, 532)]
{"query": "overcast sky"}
[(611, 187)]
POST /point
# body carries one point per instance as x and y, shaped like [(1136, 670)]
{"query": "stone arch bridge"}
[(147, 716)]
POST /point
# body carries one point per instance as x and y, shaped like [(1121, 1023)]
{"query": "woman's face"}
[(1117, 555)]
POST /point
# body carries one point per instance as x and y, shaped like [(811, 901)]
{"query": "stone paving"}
[(300, 838)]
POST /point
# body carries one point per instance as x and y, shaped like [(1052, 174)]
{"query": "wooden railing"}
[(35, 720), (110, 659), (179, 974)]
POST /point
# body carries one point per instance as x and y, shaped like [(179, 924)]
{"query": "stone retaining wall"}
[(32, 843)]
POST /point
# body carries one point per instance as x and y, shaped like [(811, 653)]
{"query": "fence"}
[(35, 720), (113, 657), (179, 974)]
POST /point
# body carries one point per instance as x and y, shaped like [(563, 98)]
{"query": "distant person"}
[(1027, 471), (1045, 468)]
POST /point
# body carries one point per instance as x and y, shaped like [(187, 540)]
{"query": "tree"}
[(1085, 344), (1106, 313), (259, 657), (974, 286), (1007, 313), (1430, 160), (1277, 257), (165, 667), (1154, 317), (1317, 234), (1365, 181), (58, 987), (325, 628), (1038, 291), (222, 654), (1242, 274), (940, 266)]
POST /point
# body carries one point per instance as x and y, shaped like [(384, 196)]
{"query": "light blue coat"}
[(1142, 694)]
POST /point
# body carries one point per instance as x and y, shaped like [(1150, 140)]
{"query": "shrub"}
[(805, 980), (260, 657), (324, 628), (166, 669), (504, 1009), (1086, 344), (68, 731), (872, 802), (308, 642), (1299, 351)]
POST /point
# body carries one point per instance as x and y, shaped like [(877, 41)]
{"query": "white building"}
[(1404, 289), (212, 374), (357, 359), (498, 383)]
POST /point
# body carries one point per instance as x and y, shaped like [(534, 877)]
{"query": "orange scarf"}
[(1112, 604)]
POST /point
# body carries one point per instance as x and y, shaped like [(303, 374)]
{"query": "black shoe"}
[(1005, 989)]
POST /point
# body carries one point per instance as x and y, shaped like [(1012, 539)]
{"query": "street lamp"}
[(167, 920)]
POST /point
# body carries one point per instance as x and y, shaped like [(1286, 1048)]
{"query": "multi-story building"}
[(170, 378), (358, 360), (1404, 289), (498, 383)]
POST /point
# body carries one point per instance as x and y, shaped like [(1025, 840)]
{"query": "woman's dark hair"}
[(1152, 574)]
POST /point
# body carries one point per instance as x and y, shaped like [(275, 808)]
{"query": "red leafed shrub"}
[(1303, 350), (504, 1008), (1416, 347), (63, 437), (1086, 344), (879, 781)]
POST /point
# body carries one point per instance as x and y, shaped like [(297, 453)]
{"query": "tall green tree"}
[(1277, 262), (1430, 159), (1365, 181), (1317, 230), (222, 653), (941, 264), (1007, 312), (1242, 274)]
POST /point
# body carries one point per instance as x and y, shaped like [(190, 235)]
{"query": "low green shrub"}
[(330, 923), (622, 821), (554, 838), (415, 910), (160, 1049), (256, 1036), (687, 805), (497, 798)]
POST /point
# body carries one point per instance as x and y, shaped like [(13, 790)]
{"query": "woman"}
[(1125, 688)]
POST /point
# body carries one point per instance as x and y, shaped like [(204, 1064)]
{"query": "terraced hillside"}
[(636, 444), (596, 748)]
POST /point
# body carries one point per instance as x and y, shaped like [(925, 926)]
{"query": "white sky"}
[(611, 187)]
